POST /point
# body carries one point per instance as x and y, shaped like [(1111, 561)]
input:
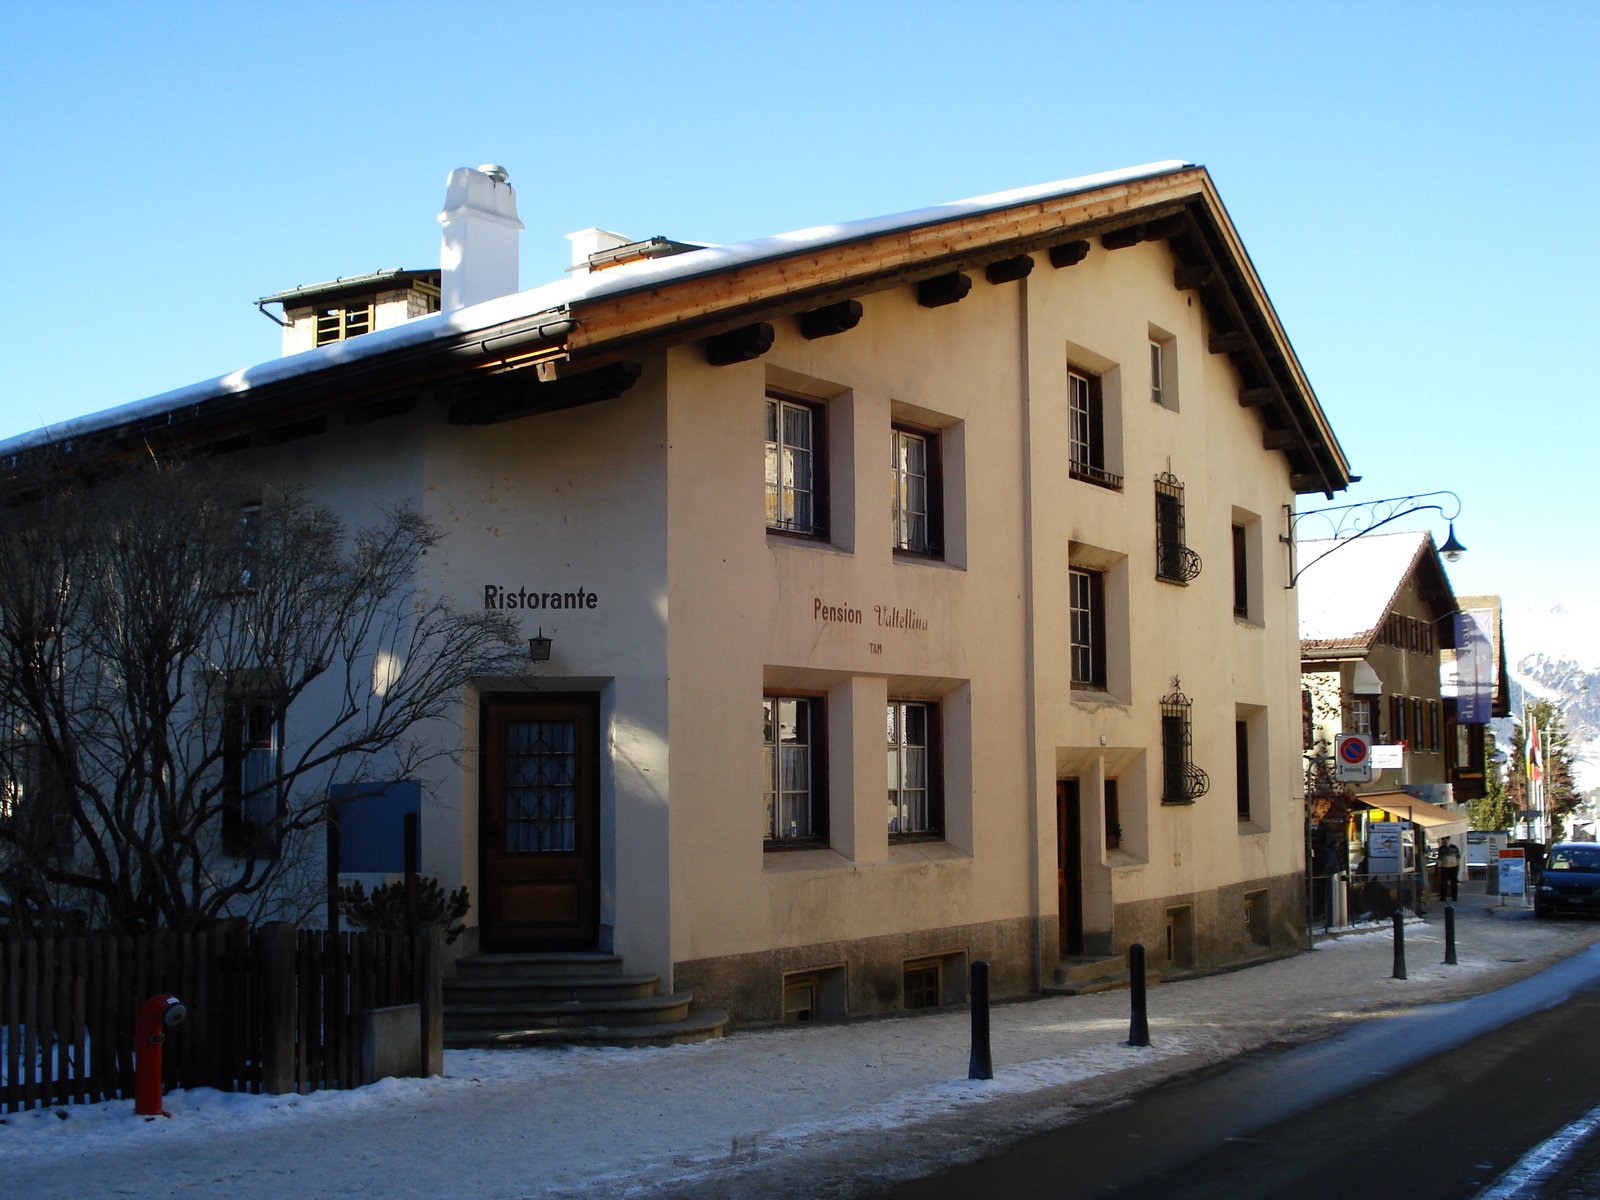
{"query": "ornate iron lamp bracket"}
[(1348, 522)]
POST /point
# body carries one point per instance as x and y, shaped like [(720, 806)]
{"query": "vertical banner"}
[(1474, 668)]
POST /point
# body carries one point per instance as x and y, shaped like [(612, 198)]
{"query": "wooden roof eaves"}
[(1258, 292), (620, 324), (704, 304)]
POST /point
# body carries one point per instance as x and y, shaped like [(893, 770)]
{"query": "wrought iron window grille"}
[(1175, 562), (1181, 781)]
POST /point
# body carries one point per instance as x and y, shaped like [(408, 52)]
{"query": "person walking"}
[(1449, 870)]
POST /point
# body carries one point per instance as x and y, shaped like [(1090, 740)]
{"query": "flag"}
[(1535, 765)]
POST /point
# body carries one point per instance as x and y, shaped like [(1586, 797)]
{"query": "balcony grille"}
[(1095, 475)]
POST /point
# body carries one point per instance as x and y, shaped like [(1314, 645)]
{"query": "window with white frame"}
[(1086, 439), (913, 460), (1088, 636), (1158, 372), (794, 466), (792, 727), (913, 792), (1361, 715)]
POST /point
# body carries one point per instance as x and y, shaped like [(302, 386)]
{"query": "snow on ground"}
[(808, 1111)]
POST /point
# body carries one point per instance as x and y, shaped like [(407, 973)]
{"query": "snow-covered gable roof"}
[(1345, 596), (553, 297)]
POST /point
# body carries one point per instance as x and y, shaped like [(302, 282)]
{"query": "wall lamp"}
[(539, 647)]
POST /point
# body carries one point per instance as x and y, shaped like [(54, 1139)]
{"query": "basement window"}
[(924, 984)]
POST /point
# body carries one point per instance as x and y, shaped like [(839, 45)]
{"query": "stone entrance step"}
[(1090, 974), (566, 998)]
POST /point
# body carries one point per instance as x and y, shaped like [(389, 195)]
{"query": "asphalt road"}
[(1432, 1104)]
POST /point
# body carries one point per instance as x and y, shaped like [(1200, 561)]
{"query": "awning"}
[(1429, 816)]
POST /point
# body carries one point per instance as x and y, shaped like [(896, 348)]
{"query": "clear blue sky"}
[(1416, 183)]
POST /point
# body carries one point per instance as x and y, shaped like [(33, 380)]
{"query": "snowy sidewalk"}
[(815, 1111)]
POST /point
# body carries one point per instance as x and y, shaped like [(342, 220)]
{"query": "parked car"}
[(1570, 881)]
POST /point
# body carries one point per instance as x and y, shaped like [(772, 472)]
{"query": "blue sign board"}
[(372, 824), (1474, 670)]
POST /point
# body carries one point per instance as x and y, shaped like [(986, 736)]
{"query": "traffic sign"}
[(1353, 758)]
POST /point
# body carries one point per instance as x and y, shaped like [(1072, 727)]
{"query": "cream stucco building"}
[(914, 587)]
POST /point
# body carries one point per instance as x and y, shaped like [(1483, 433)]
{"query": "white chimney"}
[(591, 241), (478, 256)]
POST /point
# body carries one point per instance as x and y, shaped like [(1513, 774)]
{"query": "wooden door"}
[(539, 824), (1069, 866)]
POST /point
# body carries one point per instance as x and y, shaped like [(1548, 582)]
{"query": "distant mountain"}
[(1555, 655)]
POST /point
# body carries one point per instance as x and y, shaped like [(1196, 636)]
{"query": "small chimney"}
[(592, 241), (478, 255)]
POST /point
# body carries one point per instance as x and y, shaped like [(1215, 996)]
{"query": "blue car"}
[(1570, 882)]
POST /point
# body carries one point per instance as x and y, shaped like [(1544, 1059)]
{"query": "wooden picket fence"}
[(276, 1009)]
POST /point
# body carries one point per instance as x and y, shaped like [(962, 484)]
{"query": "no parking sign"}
[(1352, 755)]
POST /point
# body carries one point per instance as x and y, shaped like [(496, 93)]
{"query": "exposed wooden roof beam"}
[(1009, 270), (943, 289), (832, 319), (740, 345)]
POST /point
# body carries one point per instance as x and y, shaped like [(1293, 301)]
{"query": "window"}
[(1113, 812), (792, 731), (800, 998), (1361, 715), (1427, 637), (1158, 372), (1241, 574), (1419, 729), (252, 768), (1086, 433), (1087, 609), (1397, 719), (917, 491), (35, 805), (338, 322), (794, 467), (913, 770), (1175, 562), (1257, 919), (1435, 738), (924, 984), (249, 544), (1181, 781), (1241, 759)]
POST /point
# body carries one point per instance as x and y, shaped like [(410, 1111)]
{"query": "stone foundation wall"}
[(1220, 933), (750, 986)]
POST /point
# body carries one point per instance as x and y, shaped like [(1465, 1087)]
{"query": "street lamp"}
[(1452, 549), (1349, 522), (539, 647)]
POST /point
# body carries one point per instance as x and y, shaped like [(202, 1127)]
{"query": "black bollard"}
[(1139, 1023), (981, 1064), (1449, 935), (1399, 945)]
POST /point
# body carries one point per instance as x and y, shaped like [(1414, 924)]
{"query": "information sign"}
[(1513, 872), (1388, 758)]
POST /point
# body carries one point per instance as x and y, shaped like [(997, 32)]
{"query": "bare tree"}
[(186, 670)]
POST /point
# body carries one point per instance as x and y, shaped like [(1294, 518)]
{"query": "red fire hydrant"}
[(156, 1015)]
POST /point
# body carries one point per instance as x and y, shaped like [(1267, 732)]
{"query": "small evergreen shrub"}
[(385, 910)]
